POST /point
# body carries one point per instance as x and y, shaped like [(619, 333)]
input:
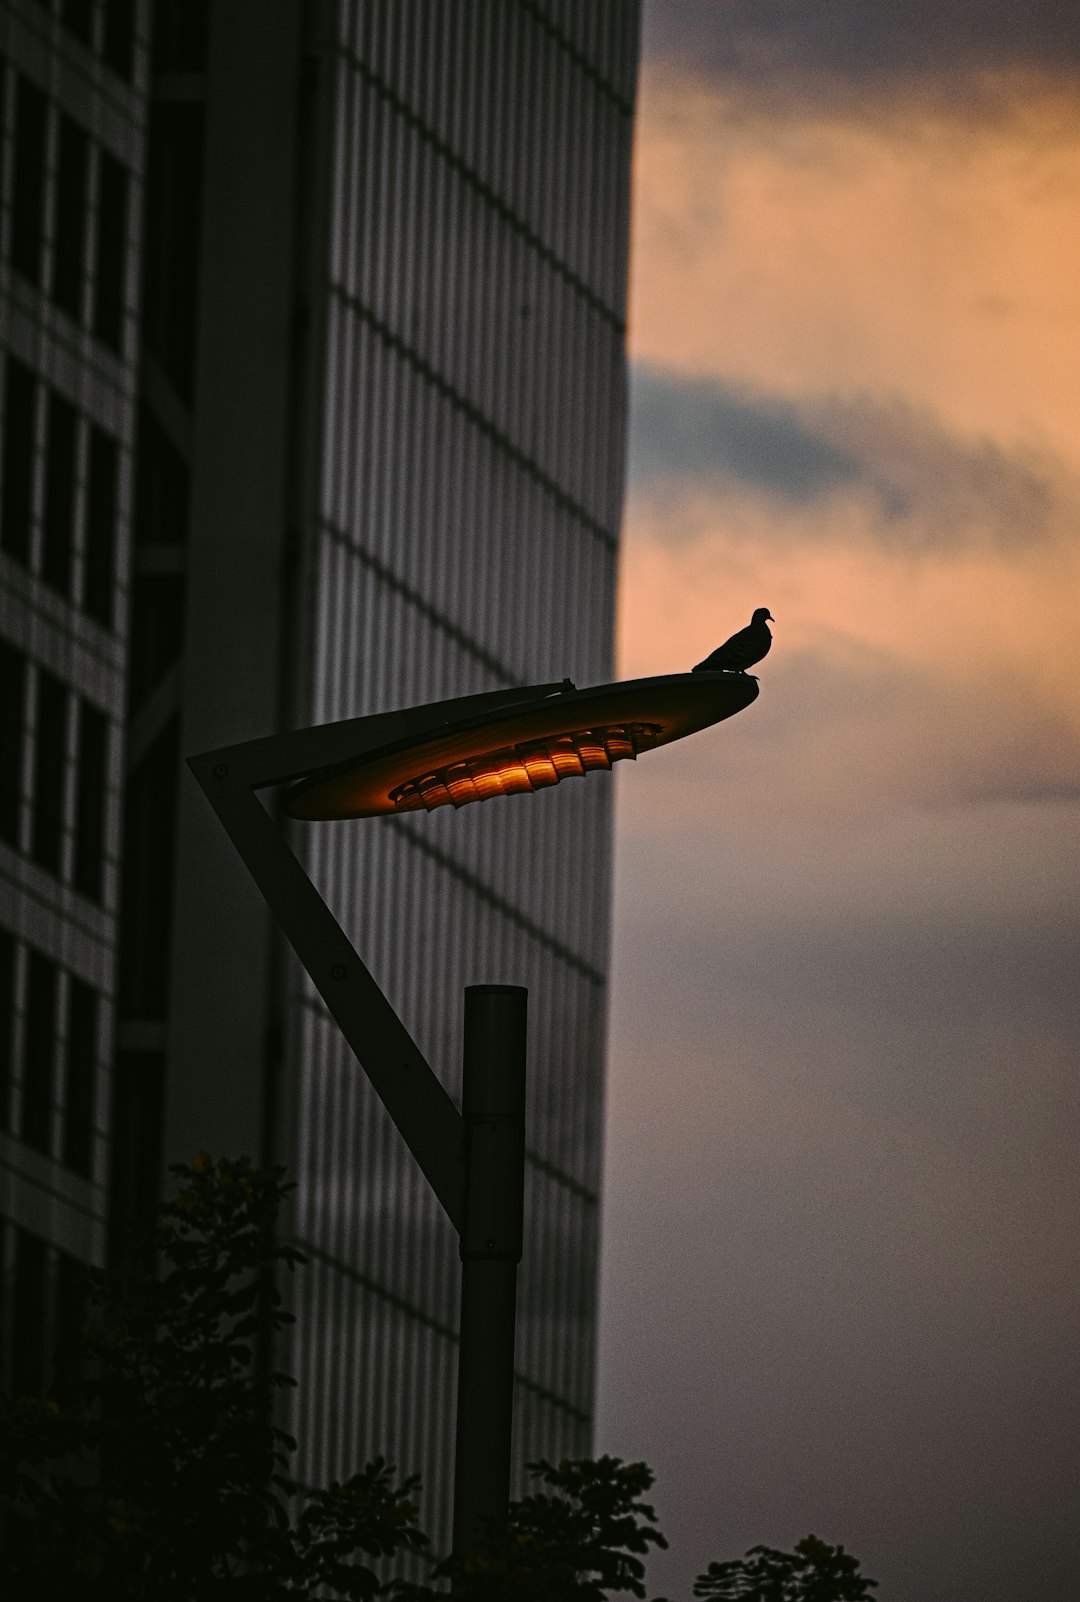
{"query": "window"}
[(137, 1108), (12, 740), (20, 428), (71, 1289), (172, 226), (80, 1073), (70, 234), (111, 252), (3, 126), (7, 1023), (162, 481), (118, 46), (28, 189), (180, 34), (59, 525), (147, 878), (100, 569), (43, 1298), (157, 632), (50, 746), (28, 1314), (91, 778), (41, 988), (78, 17)]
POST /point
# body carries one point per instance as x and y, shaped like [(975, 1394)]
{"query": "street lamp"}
[(454, 752)]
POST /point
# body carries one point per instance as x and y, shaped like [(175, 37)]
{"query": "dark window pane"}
[(103, 468), (28, 190), (71, 1298), (40, 1050), (157, 632), (118, 47), (147, 878), (111, 252), (7, 1304), (179, 35), (3, 125), (162, 479), (20, 427), (70, 233), (7, 1023), (50, 741), (134, 1180), (90, 780), (78, 17), (12, 739), (59, 523), (28, 1321), (171, 258), (80, 1075)]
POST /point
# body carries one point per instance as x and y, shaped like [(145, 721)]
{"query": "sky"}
[(842, 1201)]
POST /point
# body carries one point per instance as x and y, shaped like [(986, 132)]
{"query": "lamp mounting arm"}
[(417, 1102)]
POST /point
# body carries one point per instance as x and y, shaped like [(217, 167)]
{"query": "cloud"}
[(894, 685), (840, 1203), (785, 53), (930, 490), (939, 490), (708, 431), (869, 745), (827, 256)]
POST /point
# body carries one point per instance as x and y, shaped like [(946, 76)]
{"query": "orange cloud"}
[(936, 262), (970, 616), (913, 304), (843, 1001)]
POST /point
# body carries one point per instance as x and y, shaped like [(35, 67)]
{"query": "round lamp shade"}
[(529, 746)]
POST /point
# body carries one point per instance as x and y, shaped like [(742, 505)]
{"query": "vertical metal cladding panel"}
[(417, 517), (430, 536), (328, 453), (472, 361), (337, 244), (350, 393)]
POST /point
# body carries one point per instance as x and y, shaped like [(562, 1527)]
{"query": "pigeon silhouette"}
[(743, 649)]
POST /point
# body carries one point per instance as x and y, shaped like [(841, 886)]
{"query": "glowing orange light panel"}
[(527, 746), (519, 768)]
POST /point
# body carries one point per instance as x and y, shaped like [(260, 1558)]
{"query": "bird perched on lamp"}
[(743, 649)]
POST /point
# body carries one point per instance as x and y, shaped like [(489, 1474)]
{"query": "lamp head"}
[(531, 745)]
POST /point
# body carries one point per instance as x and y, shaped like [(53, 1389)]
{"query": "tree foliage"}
[(581, 1539), (164, 1476), (814, 1572)]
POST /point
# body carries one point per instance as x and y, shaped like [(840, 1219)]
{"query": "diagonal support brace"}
[(416, 1100)]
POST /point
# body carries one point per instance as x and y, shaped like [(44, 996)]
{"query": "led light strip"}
[(519, 769)]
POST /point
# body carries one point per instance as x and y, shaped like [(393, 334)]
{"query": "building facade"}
[(369, 453), (72, 114)]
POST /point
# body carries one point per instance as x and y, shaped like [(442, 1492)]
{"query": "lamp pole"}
[(500, 742), (493, 1108), (473, 1160)]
